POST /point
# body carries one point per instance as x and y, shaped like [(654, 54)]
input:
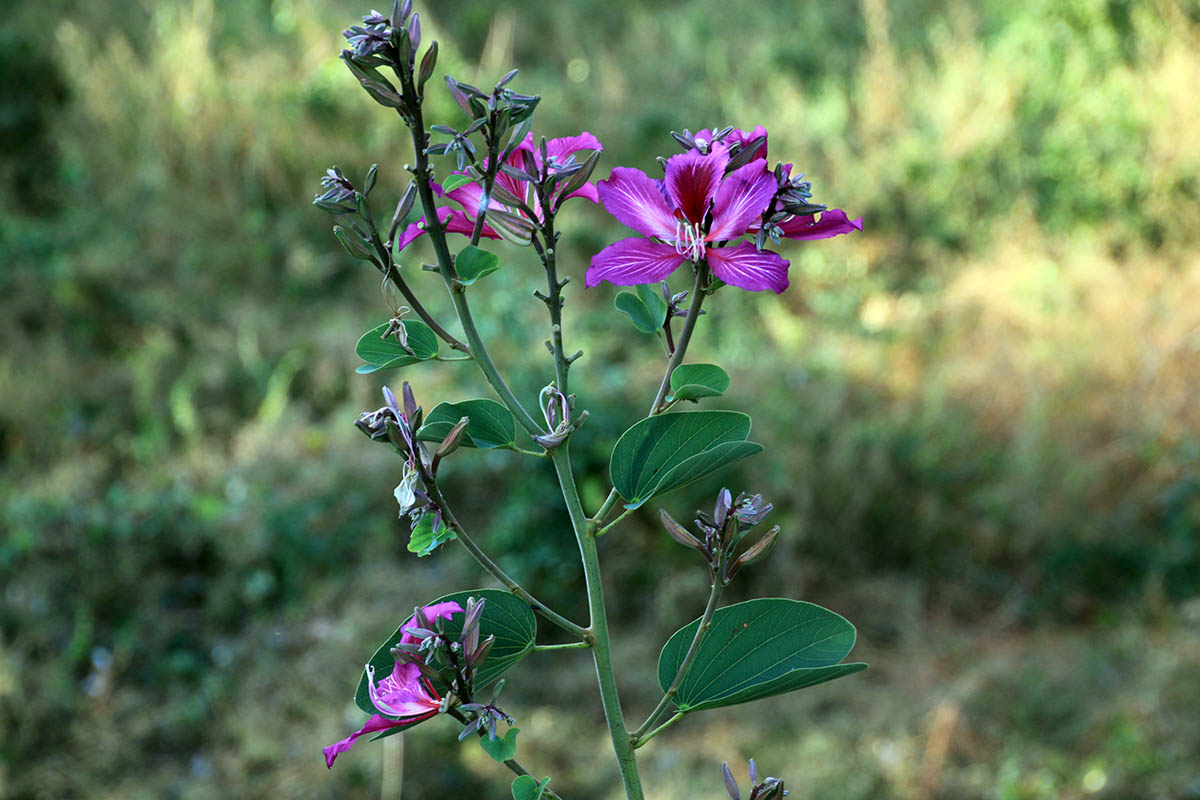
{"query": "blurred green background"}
[(982, 435)]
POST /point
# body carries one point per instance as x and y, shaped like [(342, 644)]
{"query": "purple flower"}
[(700, 211), (403, 698), (560, 155)]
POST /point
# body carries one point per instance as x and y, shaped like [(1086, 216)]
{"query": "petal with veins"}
[(633, 261), (833, 222), (637, 202), (741, 201), (746, 268), (692, 181)]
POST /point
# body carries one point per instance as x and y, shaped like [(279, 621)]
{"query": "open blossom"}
[(402, 698), (699, 212), (560, 153)]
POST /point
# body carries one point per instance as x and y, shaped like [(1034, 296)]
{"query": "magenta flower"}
[(403, 698), (700, 211), (560, 154)]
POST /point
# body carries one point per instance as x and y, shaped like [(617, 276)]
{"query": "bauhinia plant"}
[(707, 222)]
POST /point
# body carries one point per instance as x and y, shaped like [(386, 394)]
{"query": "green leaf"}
[(504, 616), (647, 319), (652, 298), (456, 181), (503, 748), (491, 425), (526, 787), (759, 648), (425, 537), (665, 452), (387, 353), (693, 381), (473, 263)]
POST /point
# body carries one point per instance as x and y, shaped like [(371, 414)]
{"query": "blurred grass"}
[(982, 437)]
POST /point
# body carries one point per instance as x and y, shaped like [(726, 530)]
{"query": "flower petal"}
[(378, 722), (559, 148), (637, 202), (692, 180), (632, 261), (743, 197), (417, 229), (746, 268), (432, 612), (832, 223)]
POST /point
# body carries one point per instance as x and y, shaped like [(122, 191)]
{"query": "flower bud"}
[(721, 509), (679, 533)]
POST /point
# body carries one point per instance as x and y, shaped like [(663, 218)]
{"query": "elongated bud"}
[(414, 31), (756, 552), (580, 178), (721, 509), (482, 651), (730, 784), (403, 657), (402, 210), (679, 533), (352, 245), (452, 440), (428, 62), (410, 403)]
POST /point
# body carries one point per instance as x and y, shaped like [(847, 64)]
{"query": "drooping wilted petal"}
[(745, 267), (692, 181), (833, 222), (633, 261), (741, 201), (637, 202)]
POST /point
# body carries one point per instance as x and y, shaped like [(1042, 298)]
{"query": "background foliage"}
[(980, 420)]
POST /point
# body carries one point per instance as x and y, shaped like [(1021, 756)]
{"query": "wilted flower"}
[(403, 698)]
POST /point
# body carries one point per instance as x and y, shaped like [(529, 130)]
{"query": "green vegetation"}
[(980, 412)]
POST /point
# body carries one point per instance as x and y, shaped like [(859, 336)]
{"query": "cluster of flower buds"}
[(502, 113), (487, 715), (391, 41), (443, 659), (792, 199), (723, 532), (355, 227), (768, 789), (743, 147)]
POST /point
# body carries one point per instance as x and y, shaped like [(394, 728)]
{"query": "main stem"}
[(601, 647), (437, 234)]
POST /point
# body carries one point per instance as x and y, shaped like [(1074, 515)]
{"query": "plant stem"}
[(393, 275), (547, 648), (705, 623), (601, 647), (620, 518), (437, 234), (498, 573), (675, 718), (685, 338)]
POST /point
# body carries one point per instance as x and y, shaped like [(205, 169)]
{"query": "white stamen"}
[(689, 241)]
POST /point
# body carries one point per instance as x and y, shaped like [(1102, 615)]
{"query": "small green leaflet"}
[(693, 381), (526, 787), (456, 182), (647, 309), (668, 451), (492, 425), (428, 535), (380, 353), (473, 263), (758, 649), (502, 748)]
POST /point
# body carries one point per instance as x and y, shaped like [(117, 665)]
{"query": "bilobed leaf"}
[(473, 263), (668, 451), (455, 182), (502, 748), (428, 535), (387, 353), (693, 381), (526, 787), (643, 318), (492, 425), (756, 649), (504, 616)]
